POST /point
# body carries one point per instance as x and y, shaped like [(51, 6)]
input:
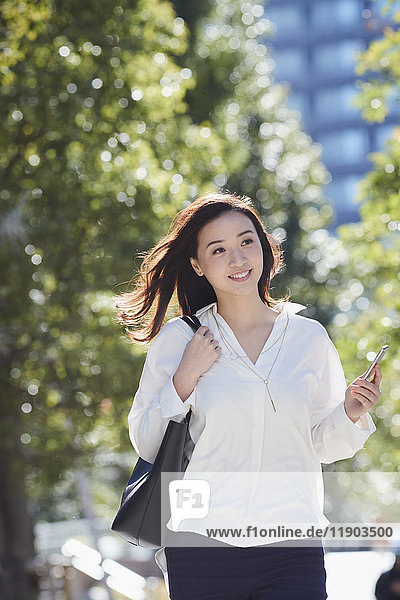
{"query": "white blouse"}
[(236, 430)]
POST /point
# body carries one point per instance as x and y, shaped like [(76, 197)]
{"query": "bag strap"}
[(194, 323)]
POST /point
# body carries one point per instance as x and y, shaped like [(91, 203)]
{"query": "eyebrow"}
[(238, 235)]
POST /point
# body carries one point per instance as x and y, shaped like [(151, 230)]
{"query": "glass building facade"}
[(314, 46)]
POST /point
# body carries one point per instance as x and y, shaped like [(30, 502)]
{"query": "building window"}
[(298, 101), (290, 63), (329, 14), (342, 147), (335, 103), (342, 191), (382, 134), (337, 58), (290, 18)]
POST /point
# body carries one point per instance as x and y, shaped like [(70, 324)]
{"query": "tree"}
[(362, 265), (102, 144), (92, 124), (380, 91)]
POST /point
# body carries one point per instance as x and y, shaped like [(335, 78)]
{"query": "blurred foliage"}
[(110, 122), (368, 300), (380, 64), (98, 155), (364, 272)]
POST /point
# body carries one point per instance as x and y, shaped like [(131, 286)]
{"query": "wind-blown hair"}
[(166, 269)]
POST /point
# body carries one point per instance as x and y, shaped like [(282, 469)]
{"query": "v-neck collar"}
[(286, 309)]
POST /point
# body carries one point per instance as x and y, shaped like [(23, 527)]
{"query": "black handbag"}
[(139, 519)]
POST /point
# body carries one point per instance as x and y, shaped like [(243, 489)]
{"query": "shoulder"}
[(172, 337), (312, 335), (305, 326), (309, 326)]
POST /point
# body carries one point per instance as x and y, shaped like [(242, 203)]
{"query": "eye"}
[(220, 248)]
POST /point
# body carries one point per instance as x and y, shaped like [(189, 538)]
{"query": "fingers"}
[(202, 330), (374, 384), (209, 336), (205, 332), (367, 392), (377, 379), (378, 375), (365, 401), (370, 393), (366, 397)]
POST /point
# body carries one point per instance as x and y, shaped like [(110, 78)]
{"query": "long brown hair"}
[(166, 268)]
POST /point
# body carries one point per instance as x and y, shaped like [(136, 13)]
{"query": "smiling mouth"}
[(243, 276)]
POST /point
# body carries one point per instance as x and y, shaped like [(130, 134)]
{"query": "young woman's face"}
[(230, 245)]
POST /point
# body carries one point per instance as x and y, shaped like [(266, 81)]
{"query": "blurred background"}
[(114, 116)]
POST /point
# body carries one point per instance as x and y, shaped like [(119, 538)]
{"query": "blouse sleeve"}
[(156, 400), (334, 434)]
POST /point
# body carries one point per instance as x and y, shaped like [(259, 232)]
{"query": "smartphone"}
[(376, 361)]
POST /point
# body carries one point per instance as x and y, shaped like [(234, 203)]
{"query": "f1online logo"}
[(189, 499)]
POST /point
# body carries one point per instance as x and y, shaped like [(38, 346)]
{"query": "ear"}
[(196, 266)]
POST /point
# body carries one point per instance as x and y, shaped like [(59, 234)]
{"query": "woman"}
[(269, 403)]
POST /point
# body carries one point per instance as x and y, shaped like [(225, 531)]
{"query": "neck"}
[(245, 312)]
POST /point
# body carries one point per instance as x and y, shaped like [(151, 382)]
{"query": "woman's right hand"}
[(200, 353)]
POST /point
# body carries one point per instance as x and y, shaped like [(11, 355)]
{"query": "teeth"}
[(240, 276)]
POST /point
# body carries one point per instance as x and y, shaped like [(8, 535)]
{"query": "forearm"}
[(184, 383), (337, 437), (151, 412)]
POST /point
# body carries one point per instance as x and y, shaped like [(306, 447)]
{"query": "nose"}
[(237, 259)]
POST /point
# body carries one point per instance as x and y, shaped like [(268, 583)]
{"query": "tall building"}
[(314, 45)]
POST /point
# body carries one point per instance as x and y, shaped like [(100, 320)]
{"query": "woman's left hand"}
[(361, 395)]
